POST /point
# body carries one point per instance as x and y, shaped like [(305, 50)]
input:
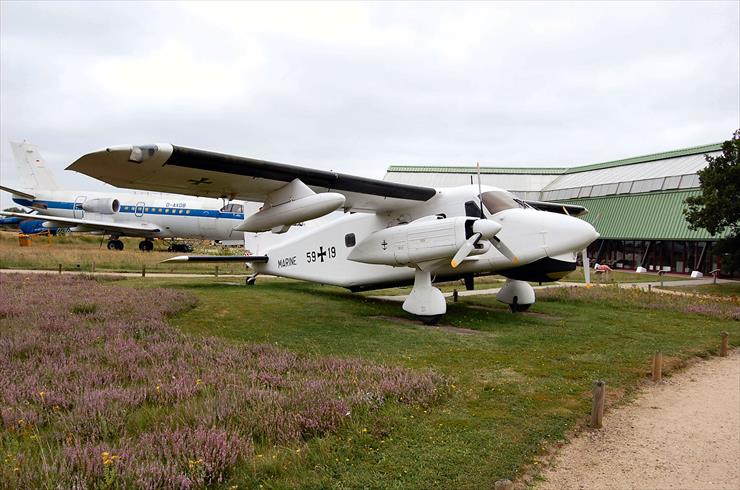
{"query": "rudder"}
[(32, 171)]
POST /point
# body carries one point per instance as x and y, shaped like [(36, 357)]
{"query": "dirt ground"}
[(683, 433)]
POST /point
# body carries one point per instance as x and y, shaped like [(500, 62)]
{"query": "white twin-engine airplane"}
[(391, 234), (117, 213)]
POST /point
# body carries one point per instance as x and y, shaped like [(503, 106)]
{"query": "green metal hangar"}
[(636, 204)]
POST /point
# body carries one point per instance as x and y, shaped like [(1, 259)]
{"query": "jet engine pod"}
[(428, 238), (292, 212), (102, 206)]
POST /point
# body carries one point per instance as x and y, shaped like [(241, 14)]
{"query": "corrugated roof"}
[(649, 216), (695, 150), (473, 170)]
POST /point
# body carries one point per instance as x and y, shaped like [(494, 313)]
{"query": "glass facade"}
[(676, 256)]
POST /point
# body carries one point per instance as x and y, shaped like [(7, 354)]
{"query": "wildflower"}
[(364, 429), (198, 382)]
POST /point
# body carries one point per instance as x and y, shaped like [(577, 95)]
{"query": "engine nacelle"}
[(292, 212), (102, 206), (423, 240)]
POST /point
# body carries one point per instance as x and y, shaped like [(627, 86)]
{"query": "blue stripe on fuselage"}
[(149, 210)]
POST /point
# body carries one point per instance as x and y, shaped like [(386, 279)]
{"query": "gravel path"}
[(681, 434)]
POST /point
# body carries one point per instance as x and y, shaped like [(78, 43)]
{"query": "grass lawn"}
[(518, 382), (80, 252), (621, 277), (727, 289)]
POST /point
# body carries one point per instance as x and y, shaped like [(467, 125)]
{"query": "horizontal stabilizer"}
[(260, 259), (135, 229), (24, 195)]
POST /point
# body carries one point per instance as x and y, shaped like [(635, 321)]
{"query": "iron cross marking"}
[(321, 254), (384, 244), (202, 180)]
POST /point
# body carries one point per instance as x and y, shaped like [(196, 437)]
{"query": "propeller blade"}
[(586, 266), (499, 245), (465, 250)]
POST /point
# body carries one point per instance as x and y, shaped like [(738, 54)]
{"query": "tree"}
[(717, 209)]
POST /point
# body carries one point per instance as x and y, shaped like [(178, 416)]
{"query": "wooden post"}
[(650, 288), (143, 271), (454, 295), (216, 271), (60, 268), (597, 407), (93, 267), (723, 345), (657, 366)]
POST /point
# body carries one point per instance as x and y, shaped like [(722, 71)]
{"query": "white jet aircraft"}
[(118, 213), (391, 234)]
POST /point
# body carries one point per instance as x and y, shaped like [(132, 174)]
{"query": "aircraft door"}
[(208, 224), (139, 209), (77, 211)]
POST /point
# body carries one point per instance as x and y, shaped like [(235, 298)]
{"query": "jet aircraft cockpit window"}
[(496, 201), (233, 208)]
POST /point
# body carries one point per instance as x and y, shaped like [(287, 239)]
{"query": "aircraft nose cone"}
[(585, 233), (568, 234)]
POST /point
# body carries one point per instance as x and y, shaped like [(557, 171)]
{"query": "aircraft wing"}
[(180, 170), (558, 207), (24, 195), (92, 225)]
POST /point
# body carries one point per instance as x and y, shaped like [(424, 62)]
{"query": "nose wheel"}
[(146, 246), (519, 295), (115, 244)]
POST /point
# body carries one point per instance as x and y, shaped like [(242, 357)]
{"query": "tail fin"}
[(32, 171)]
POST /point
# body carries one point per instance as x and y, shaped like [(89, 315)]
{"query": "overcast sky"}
[(356, 87)]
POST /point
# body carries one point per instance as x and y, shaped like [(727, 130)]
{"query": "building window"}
[(687, 181), (624, 187), (671, 182)]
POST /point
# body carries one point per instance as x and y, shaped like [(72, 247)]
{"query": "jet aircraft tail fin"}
[(32, 171)]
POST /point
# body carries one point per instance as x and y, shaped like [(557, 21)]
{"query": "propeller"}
[(482, 229), (505, 251)]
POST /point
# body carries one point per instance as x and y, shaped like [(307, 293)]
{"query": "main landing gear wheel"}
[(515, 307), (519, 295), (115, 245), (146, 246), (430, 319)]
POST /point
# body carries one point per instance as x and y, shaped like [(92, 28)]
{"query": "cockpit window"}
[(233, 208), (496, 201)]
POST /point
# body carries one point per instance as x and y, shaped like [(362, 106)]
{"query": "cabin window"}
[(349, 240), (497, 201), (233, 208)]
